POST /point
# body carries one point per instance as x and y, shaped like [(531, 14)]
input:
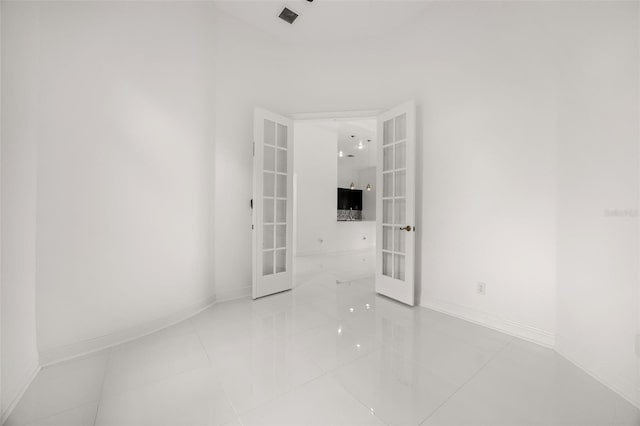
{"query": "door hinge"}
[(253, 149), (251, 203)]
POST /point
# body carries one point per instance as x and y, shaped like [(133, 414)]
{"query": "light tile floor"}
[(326, 353)]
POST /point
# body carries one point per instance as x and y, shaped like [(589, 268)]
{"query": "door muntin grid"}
[(274, 198), (394, 197)]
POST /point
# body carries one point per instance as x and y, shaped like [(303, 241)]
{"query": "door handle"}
[(408, 228)]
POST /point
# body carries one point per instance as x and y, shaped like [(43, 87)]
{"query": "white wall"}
[(20, 40), (489, 166), (125, 169), (487, 144), (249, 73), (598, 97), (316, 168)]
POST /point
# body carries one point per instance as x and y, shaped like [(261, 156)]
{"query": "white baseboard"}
[(225, 295), (55, 355), (617, 388), (33, 372), (522, 331)]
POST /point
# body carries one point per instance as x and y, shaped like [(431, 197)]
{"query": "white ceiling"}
[(325, 20)]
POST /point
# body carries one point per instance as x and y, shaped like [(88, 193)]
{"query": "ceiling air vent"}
[(288, 15)]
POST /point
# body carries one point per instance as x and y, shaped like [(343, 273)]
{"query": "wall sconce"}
[(368, 187), (352, 186)]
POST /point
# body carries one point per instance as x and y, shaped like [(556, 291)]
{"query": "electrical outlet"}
[(482, 288)]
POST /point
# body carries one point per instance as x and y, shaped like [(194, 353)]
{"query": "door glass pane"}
[(387, 185), (281, 236), (269, 159), (399, 267), (268, 184), (401, 182), (387, 238), (401, 127), (387, 158), (387, 264), (400, 212), (281, 186), (267, 262), (267, 213), (281, 211), (282, 161), (387, 132), (387, 211), (281, 261), (282, 135), (269, 132), (267, 239), (401, 155), (399, 240)]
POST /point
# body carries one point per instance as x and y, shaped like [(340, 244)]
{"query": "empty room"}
[(319, 212)]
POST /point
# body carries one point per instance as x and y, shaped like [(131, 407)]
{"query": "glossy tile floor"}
[(325, 353)]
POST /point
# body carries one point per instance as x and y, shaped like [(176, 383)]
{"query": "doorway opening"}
[(341, 209), (335, 186)]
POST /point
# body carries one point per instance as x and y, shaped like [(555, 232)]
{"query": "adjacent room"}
[(320, 212), (335, 198)]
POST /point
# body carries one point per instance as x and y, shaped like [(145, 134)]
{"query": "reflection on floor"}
[(344, 267), (325, 353)]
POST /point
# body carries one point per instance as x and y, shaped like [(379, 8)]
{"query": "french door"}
[(395, 204), (272, 203)]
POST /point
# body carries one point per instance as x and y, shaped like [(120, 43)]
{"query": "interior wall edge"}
[(512, 328), (33, 372), (50, 356)]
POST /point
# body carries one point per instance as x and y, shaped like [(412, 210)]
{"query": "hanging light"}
[(360, 145), (340, 154), (352, 186), (368, 187)]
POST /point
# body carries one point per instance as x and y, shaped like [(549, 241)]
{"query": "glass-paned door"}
[(272, 203), (396, 204)]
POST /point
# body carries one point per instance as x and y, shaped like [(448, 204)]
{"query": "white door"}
[(272, 203), (395, 201)]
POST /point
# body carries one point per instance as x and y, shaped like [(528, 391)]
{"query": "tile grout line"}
[(467, 381), (233, 406), (104, 375), (195, 331), (283, 394), (339, 383), (323, 374)]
